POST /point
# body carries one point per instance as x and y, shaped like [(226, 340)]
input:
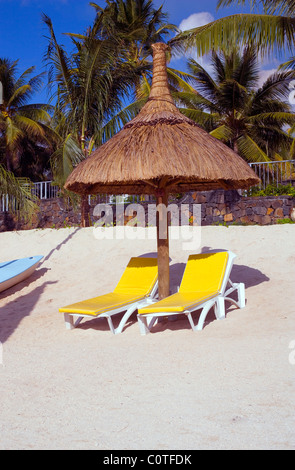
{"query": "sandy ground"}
[(230, 386)]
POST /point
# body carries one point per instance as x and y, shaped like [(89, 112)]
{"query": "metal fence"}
[(275, 173), (4, 203), (45, 190)]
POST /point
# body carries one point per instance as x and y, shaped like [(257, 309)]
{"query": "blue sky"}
[(22, 31)]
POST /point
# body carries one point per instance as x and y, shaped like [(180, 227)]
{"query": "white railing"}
[(4, 203), (275, 173), (45, 190)]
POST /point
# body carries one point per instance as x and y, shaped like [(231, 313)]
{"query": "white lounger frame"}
[(146, 321), (73, 319)]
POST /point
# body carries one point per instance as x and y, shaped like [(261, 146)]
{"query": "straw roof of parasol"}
[(160, 148)]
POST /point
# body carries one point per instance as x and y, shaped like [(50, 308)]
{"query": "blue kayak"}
[(15, 271)]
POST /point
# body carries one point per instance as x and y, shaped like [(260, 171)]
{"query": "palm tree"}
[(19, 119), (136, 24), (274, 28), (89, 87), (232, 107)]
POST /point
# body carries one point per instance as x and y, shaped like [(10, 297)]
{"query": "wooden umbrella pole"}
[(163, 244)]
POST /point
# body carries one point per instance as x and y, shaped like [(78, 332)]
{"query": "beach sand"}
[(230, 386)]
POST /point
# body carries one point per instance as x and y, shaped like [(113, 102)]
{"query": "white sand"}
[(230, 386)]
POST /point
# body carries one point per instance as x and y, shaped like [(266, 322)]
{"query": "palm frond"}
[(29, 126), (250, 151), (20, 198), (267, 32), (12, 133), (276, 87), (223, 132), (279, 118), (110, 128), (65, 158), (59, 63), (206, 120)]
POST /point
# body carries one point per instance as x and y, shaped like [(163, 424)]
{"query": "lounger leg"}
[(111, 325), (143, 326), (204, 314), (220, 308), (202, 317), (241, 295), (240, 288), (69, 321), (123, 321)]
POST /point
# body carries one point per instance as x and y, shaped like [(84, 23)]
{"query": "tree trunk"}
[(8, 163)]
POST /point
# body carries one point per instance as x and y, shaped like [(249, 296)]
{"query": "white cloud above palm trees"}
[(195, 20)]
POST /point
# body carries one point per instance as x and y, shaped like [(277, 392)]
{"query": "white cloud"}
[(195, 20)]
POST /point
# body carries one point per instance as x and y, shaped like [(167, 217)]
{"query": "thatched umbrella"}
[(161, 151)]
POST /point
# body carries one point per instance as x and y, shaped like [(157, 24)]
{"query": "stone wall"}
[(230, 207), (217, 207), (54, 213)]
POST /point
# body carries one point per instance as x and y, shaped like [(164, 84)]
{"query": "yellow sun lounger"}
[(136, 288), (205, 284)]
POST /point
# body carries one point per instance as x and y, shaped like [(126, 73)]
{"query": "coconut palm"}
[(136, 24), (89, 87), (19, 119), (110, 60), (271, 29), (228, 103)]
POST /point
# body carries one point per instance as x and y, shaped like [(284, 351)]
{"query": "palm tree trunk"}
[(8, 163)]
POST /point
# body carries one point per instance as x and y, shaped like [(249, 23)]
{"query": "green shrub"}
[(273, 190), (285, 221)]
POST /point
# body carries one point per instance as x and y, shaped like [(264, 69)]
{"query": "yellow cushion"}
[(136, 283), (139, 276), (101, 304), (202, 280), (178, 302), (204, 272)]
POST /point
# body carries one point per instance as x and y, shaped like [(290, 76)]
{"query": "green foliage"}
[(285, 221), (268, 32), (24, 127), (20, 198), (230, 104), (273, 190)]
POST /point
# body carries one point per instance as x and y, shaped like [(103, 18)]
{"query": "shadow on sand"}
[(13, 313), (58, 247), (15, 310)]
